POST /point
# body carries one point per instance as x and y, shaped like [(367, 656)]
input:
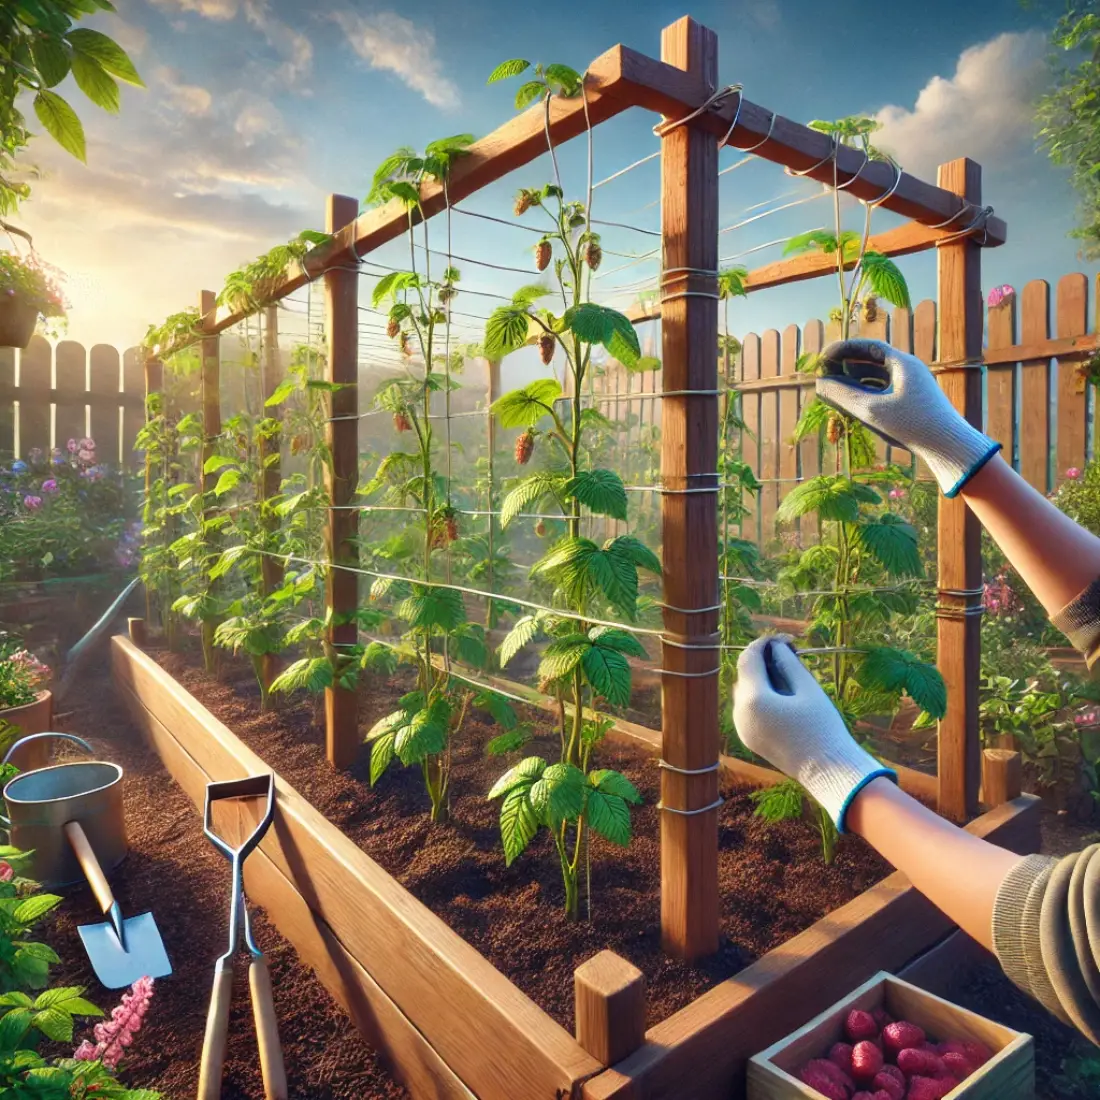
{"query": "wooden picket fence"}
[(67, 392)]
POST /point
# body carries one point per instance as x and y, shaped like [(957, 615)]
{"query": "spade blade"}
[(143, 957)]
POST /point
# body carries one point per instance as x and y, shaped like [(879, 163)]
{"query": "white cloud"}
[(985, 111), (222, 10), (257, 120), (386, 40), (764, 13), (191, 99)]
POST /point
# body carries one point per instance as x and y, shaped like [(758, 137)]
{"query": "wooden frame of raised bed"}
[(449, 1023)]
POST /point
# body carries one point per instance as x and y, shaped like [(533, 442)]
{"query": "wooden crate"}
[(1008, 1075)]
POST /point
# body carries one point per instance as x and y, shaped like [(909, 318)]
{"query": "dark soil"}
[(175, 871), (773, 881)]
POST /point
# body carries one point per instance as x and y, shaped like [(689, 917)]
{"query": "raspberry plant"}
[(584, 660)]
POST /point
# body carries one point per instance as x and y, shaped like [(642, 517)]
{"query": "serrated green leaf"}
[(61, 123), (562, 656), (636, 551), (54, 1024), (897, 670), (228, 481), (559, 795), (227, 560), (14, 1026), (522, 633), (893, 543), (565, 81), (525, 772), (643, 363), (528, 493), (387, 724), (886, 279), (609, 816), (813, 420), (588, 322), (424, 735), (610, 637), (381, 754), (35, 908), (504, 714), (524, 408), (528, 294), (513, 67), (512, 741), (16, 999), (528, 93), (392, 284), (608, 671), (518, 823), (506, 330), (106, 52), (832, 498), (600, 491), (287, 388), (612, 782), (427, 608)]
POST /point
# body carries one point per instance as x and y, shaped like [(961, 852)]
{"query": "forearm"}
[(1056, 558), (959, 873)]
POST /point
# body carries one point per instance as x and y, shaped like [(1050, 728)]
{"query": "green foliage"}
[(895, 671), (600, 491), (31, 281), (256, 283), (885, 279), (524, 408), (835, 498)]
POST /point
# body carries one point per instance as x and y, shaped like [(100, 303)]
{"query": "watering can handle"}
[(42, 736)]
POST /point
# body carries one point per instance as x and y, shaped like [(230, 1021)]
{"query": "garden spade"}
[(121, 950)]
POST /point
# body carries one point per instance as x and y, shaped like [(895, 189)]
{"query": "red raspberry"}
[(860, 1025), (901, 1036), (891, 1081), (977, 1054), (392, 329), (540, 529), (593, 255), (525, 444), (452, 529), (958, 1065), (546, 348), (543, 253), (881, 1017), (524, 202), (401, 422), (817, 1076), (840, 1054), (922, 1063), (866, 1060), (930, 1088), (877, 1095)]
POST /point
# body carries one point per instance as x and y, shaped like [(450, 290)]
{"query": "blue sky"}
[(255, 109)]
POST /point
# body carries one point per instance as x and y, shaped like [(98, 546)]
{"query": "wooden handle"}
[(267, 1031), (217, 1032), (89, 864)]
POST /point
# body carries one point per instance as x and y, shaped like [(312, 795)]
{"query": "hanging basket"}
[(18, 319)]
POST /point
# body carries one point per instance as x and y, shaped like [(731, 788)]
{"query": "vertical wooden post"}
[(959, 534), (610, 1007), (341, 480), (210, 390), (136, 629), (270, 450), (154, 384), (1002, 776), (689, 519)]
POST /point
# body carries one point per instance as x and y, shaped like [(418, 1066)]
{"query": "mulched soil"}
[(176, 872), (773, 882)]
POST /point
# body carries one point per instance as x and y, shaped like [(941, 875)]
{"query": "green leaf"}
[(310, 673), (832, 498), (381, 755), (559, 795), (893, 543), (564, 80), (524, 408), (35, 908), (61, 123), (820, 239), (562, 656), (588, 322), (229, 480), (51, 59), (518, 823), (781, 802), (215, 462), (16, 999), (54, 1024), (433, 607), (601, 491), (886, 279), (813, 420), (506, 331), (528, 493), (387, 724), (14, 1026), (608, 671), (504, 714), (522, 774), (108, 53), (392, 284), (609, 816), (635, 550), (622, 338), (505, 69), (610, 637), (642, 363), (512, 741), (97, 85), (227, 560), (287, 388), (522, 633), (528, 93), (424, 735), (579, 566), (613, 782), (526, 295), (897, 670)]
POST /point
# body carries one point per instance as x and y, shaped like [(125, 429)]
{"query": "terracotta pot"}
[(17, 321), (36, 717)]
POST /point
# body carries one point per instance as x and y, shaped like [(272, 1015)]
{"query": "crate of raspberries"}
[(890, 1040)]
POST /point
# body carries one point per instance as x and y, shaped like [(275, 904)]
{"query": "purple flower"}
[(1000, 294), (32, 503), (71, 446), (1073, 473), (18, 466), (49, 486)]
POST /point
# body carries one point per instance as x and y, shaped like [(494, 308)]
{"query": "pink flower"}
[(998, 597), (86, 456), (113, 1036), (1073, 473), (896, 494), (71, 446), (32, 503), (7, 872), (1000, 294), (87, 444), (49, 486)]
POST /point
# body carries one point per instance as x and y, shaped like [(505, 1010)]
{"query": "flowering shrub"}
[(998, 598), (999, 295), (113, 1036), (1079, 496), (32, 281), (22, 677)]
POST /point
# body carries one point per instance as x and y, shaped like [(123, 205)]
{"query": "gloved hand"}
[(782, 714), (895, 395)]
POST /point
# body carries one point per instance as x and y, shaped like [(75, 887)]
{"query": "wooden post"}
[(959, 534), (1002, 776), (341, 479), (610, 1007), (136, 630), (689, 461), (154, 384), (210, 390), (271, 568)]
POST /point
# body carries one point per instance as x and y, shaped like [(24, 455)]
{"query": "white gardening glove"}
[(895, 395), (782, 714)]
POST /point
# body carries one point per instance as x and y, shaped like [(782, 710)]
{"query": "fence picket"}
[(813, 340), (7, 407), (1072, 320), (788, 411), (750, 413), (1001, 380), (1035, 418), (133, 414), (35, 368), (769, 436), (103, 373), (70, 366)]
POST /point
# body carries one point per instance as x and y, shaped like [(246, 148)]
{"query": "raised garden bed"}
[(173, 870), (432, 1002)]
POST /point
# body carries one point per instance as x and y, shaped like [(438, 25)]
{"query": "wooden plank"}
[(750, 413), (1035, 378), (901, 335), (448, 991), (809, 450), (133, 413), (1001, 380), (1002, 776), (1062, 347), (70, 364), (689, 521), (35, 368), (610, 1007), (1071, 319), (668, 90), (409, 1056), (342, 739), (788, 411), (7, 403), (877, 327), (769, 437), (103, 379), (959, 548), (710, 1040)]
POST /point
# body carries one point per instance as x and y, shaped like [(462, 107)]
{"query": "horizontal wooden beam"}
[(709, 1042), (674, 93), (66, 399), (1064, 347)]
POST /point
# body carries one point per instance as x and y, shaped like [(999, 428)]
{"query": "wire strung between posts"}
[(666, 766), (775, 210), (691, 813), (833, 146), (499, 221), (759, 248), (628, 168), (632, 228)]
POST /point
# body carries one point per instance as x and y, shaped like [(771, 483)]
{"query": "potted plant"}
[(26, 706), (28, 290)]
